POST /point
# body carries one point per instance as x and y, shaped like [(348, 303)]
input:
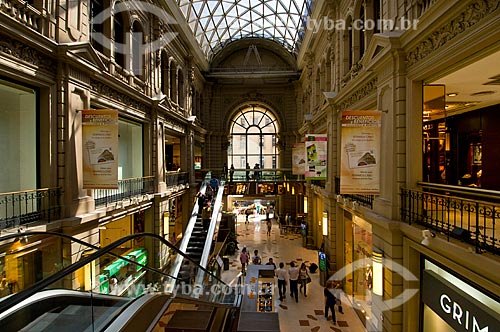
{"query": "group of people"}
[(205, 202), (297, 277), (231, 172)]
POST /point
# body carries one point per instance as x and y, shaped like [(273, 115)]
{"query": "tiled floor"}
[(308, 313)]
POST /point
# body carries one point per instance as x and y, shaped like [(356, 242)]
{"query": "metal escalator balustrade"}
[(95, 290)]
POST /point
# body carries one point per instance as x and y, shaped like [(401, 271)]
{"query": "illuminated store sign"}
[(461, 311)]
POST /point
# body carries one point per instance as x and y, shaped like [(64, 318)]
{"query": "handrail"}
[(26, 293), (478, 192), (471, 220), (211, 229)]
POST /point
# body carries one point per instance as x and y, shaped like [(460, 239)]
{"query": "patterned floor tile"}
[(303, 322), (311, 317), (342, 323), (319, 312), (315, 329)]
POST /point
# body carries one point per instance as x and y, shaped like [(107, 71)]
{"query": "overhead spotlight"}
[(191, 118), (427, 235)]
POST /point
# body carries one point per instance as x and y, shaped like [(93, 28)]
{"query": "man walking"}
[(282, 275), (293, 273)]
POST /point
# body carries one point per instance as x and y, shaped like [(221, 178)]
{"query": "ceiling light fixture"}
[(452, 94)]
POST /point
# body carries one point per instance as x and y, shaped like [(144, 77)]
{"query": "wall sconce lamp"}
[(427, 235), (378, 272), (305, 204), (325, 223), (339, 198)]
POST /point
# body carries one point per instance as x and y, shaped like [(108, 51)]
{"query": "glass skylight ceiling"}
[(216, 23)]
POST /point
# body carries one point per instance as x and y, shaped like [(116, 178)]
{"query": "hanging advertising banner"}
[(100, 149), (298, 159), (360, 152), (316, 149)]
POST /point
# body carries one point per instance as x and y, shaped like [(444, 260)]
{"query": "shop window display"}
[(358, 252)]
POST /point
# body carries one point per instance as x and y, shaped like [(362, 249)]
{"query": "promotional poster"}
[(316, 148), (100, 149), (360, 153), (298, 159)]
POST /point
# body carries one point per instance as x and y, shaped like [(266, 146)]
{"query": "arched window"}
[(165, 74), (348, 44), (96, 30), (172, 91), (253, 138), (137, 54), (180, 88), (119, 39)]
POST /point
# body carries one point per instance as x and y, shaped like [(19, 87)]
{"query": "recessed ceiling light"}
[(452, 94)]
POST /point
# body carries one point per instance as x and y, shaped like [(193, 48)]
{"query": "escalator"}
[(196, 242), (145, 296)]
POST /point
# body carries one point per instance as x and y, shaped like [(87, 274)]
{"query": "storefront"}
[(27, 261), (460, 111), (19, 117), (450, 303), (358, 281)]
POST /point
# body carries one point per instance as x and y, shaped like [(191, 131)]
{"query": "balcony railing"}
[(176, 181), (253, 174), (365, 200), (470, 220), (23, 207), (127, 189)]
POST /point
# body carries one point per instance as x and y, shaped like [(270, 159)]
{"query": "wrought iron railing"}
[(175, 179), (254, 174), (365, 200), (23, 207), (127, 189), (471, 220)]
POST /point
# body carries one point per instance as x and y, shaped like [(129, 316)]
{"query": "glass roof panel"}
[(279, 20)]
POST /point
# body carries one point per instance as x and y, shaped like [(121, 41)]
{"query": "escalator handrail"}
[(42, 284), (213, 221), (188, 232)]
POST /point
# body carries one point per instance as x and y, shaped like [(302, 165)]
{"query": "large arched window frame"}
[(253, 133)]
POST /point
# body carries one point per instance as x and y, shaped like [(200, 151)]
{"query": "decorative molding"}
[(107, 91), (473, 14), (359, 94), (173, 125), (27, 54)]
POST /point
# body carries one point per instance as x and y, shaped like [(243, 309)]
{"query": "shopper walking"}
[(330, 300), (303, 277), (293, 273), (282, 276), (256, 260), (244, 258)]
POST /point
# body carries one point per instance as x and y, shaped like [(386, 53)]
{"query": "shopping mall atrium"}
[(145, 145)]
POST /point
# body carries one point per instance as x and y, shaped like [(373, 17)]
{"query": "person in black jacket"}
[(330, 300)]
